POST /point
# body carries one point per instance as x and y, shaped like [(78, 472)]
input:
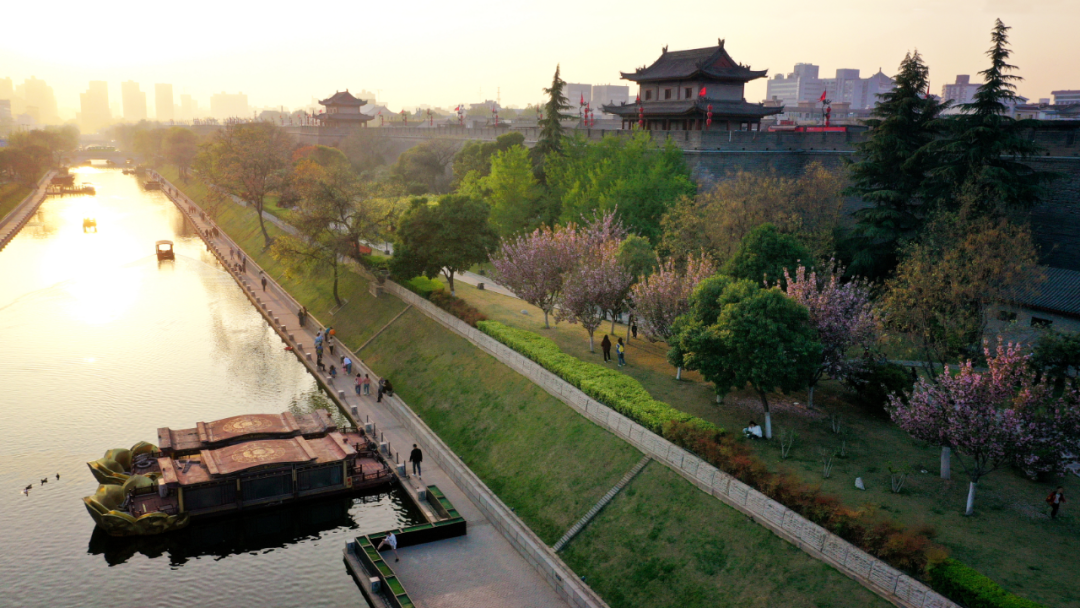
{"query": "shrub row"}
[(614, 389), (886, 539), (375, 262), (456, 306), (967, 586)]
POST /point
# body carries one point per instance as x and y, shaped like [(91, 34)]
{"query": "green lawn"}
[(1010, 538), (549, 463), (10, 197), (663, 543)]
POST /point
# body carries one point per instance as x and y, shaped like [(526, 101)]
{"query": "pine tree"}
[(550, 140), (985, 148), (889, 172)]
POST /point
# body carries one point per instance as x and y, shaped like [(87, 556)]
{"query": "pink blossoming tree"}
[(592, 285), (664, 295), (842, 314), (993, 418), (533, 265)]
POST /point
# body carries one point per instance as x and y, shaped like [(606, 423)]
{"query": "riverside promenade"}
[(479, 569), (14, 221)]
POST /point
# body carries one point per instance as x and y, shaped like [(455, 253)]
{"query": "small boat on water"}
[(89, 224), (152, 185), (230, 465), (164, 250)]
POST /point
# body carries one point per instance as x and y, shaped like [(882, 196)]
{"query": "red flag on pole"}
[(582, 102), (701, 93), (823, 95)]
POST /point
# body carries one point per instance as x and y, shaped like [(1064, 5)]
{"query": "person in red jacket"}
[(1055, 500)]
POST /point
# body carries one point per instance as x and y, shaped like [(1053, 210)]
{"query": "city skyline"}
[(461, 46)]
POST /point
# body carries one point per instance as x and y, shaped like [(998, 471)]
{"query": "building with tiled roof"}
[(343, 110), (680, 89)]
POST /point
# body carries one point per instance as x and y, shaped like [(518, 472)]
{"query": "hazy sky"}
[(443, 53)]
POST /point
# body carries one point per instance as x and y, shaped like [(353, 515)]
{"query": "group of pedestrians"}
[(620, 350)]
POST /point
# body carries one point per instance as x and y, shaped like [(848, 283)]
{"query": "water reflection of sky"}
[(101, 344)]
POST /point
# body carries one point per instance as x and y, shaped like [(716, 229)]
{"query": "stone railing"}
[(874, 574)]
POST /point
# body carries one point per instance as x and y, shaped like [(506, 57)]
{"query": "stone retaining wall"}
[(871, 572), (14, 221)]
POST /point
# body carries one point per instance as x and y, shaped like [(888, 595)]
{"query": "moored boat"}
[(229, 465)]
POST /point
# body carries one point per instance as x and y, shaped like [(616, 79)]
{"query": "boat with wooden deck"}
[(230, 465)]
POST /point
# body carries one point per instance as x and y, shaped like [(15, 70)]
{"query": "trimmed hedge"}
[(614, 389), (456, 306), (965, 585), (423, 286), (375, 262)]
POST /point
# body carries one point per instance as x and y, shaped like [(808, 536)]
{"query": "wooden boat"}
[(230, 465), (89, 224), (164, 250)]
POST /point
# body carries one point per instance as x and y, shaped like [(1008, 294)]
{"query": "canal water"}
[(101, 344)]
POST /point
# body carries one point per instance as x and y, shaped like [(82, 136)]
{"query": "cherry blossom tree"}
[(592, 285), (842, 314), (993, 418), (533, 265), (664, 295)]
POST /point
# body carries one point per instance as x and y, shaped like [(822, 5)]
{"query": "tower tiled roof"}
[(709, 63), (343, 98), (697, 107)]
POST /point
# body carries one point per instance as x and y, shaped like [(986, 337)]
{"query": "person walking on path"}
[(633, 329), (390, 541), (346, 364), (359, 383), (1055, 500), (262, 278), (301, 315), (416, 457), (605, 345), (333, 371), (620, 350), (318, 340), (367, 385)]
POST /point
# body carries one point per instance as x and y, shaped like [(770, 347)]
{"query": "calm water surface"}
[(100, 344)]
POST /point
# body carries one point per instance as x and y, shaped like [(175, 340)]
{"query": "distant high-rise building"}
[(7, 89), (40, 103), (804, 85), (163, 102), (609, 94), (134, 101), (960, 92), (94, 107), (189, 108), (5, 112), (575, 92), (226, 105)]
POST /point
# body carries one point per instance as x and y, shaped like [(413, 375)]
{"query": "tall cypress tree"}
[(889, 171), (550, 139), (984, 152)]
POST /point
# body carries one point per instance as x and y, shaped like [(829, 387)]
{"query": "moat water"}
[(101, 344)]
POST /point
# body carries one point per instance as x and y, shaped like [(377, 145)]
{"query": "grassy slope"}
[(1010, 538), (681, 551), (10, 196), (547, 462)]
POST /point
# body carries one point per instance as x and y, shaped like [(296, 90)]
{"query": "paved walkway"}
[(476, 570), (13, 222)]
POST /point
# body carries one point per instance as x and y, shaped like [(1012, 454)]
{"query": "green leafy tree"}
[(739, 334), (56, 141), (422, 169), (476, 155), (764, 254), (637, 256), (366, 149), (512, 191), (179, 147), (448, 236), (551, 132), (889, 170), (1056, 356), (985, 147), (248, 161), (632, 176)]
